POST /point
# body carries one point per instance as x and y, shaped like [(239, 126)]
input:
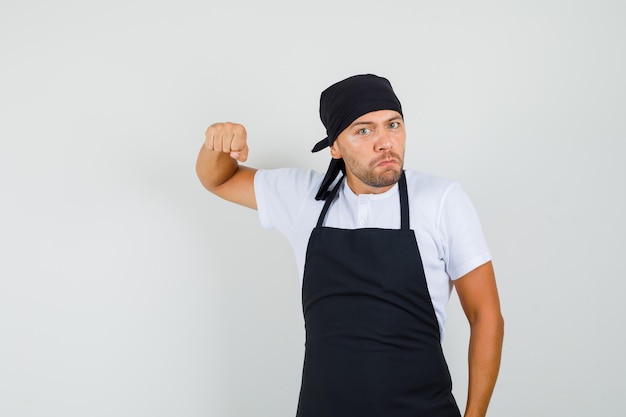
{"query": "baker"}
[(379, 249)]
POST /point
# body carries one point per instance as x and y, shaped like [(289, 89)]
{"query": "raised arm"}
[(479, 298), (218, 166)]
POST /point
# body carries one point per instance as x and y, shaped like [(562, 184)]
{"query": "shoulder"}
[(422, 185), (290, 175), (283, 193), (300, 181), (438, 198), (446, 213)]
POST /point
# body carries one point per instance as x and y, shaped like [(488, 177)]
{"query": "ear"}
[(335, 153)]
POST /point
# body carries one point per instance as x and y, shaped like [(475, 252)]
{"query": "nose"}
[(384, 141)]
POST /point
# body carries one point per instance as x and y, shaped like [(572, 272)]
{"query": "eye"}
[(363, 131), (394, 125)]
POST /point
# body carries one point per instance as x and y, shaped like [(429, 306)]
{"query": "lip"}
[(388, 162)]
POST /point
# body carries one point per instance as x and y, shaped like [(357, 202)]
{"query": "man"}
[(378, 250)]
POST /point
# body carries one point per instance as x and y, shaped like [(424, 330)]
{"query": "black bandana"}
[(344, 102)]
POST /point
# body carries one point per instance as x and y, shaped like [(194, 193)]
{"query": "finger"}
[(227, 140), (209, 137), (226, 137), (240, 155), (239, 139), (214, 137), (227, 133), (218, 140), (243, 154)]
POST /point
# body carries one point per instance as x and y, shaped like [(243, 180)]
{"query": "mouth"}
[(388, 162)]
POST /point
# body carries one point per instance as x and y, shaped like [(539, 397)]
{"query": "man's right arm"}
[(218, 166)]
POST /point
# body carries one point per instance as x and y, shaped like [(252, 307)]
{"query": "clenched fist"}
[(230, 138)]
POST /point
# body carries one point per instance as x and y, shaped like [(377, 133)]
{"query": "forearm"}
[(485, 349), (214, 168)]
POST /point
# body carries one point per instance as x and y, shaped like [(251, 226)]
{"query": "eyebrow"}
[(366, 122)]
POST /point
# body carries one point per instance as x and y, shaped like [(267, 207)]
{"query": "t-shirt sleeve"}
[(465, 246), (280, 195)]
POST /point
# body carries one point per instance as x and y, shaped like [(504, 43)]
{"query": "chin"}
[(386, 178)]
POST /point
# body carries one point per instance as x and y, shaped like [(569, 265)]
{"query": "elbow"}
[(489, 321), (500, 324), (498, 327)]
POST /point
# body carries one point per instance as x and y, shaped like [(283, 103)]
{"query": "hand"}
[(230, 138)]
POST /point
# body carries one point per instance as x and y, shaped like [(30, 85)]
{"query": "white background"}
[(128, 290)]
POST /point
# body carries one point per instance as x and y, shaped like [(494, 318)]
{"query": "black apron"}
[(372, 338)]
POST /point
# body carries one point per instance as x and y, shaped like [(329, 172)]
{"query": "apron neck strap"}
[(404, 202), (329, 199)]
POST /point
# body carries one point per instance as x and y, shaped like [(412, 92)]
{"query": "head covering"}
[(344, 102)]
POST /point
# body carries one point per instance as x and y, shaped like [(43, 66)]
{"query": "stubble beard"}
[(369, 176)]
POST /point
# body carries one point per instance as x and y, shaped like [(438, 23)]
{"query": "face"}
[(373, 149)]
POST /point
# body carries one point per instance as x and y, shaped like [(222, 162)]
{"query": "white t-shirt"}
[(446, 226)]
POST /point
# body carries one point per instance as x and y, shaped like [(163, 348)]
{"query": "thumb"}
[(240, 155)]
